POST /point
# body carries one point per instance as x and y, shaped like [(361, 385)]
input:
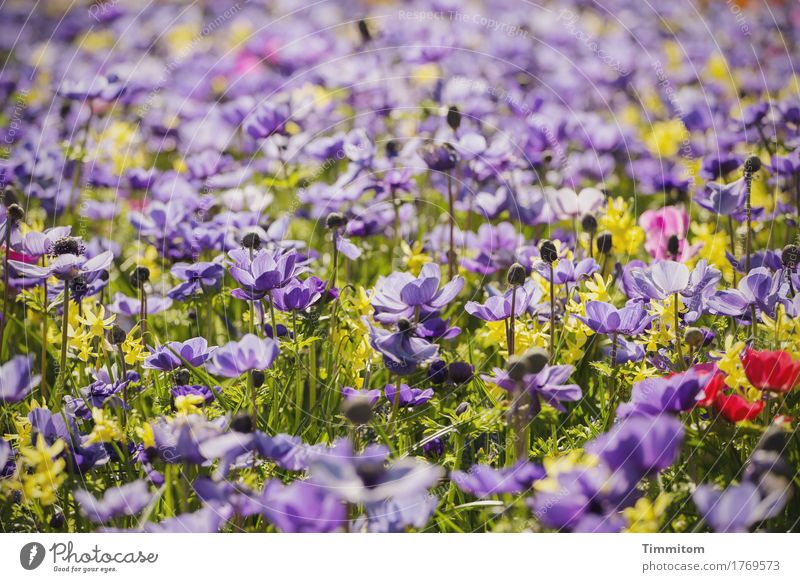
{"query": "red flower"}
[(774, 371), (733, 407)]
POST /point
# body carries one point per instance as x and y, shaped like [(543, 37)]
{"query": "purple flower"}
[(566, 271), (398, 514), (195, 390), (179, 440), (409, 397), (267, 119), (546, 386), (702, 286), (17, 379), (126, 500), (640, 445), (400, 295), (724, 199), (302, 507), (269, 270), (661, 280), (484, 481), (672, 394), (498, 307), (67, 266), (759, 288), (439, 157), (195, 351), (604, 318), (298, 295), (238, 498), (250, 353), (102, 87), (735, 509), (403, 351), (197, 277), (206, 520), (130, 306), (366, 478), (373, 396)]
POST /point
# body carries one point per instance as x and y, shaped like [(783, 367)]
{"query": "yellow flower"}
[(133, 349), (730, 362), (41, 473), (666, 138), (626, 236), (145, 432), (646, 515), (413, 257), (189, 404), (97, 322), (597, 289), (714, 245), (105, 429)]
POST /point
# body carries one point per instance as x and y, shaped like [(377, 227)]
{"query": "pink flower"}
[(666, 233)]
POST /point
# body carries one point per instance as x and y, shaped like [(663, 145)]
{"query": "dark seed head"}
[(15, 213), (674, 245), (516, 275), (258, 378), (752, 165), (357, 410), (548, 251), (604, 243), (460, 372), (242, 423), (535, 359), (392, 148), (116, 335), (140, 276), (403, 324), (334, 220), (589, 223), (453, 117), (694, 337), (462, 408), (515, 366), (790, 256), (251, 241), (68, 245), (9, 197)]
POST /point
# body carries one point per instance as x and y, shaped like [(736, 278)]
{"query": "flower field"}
[(427, 266)]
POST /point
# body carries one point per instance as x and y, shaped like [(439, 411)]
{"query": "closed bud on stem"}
[(15, 213), (790, 256), (752, 165), (251, 241), (674, 245), (535, 359), (462, 408), (116, 335), (334, 220), (604, 243), (357, 410), (140, 276), (515, 366), (453, 117), (258, 378), (548, 251), (694, 337), (516, 275), (589, 223), (242, 423)]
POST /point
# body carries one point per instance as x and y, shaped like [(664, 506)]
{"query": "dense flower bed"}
[(429, 266)]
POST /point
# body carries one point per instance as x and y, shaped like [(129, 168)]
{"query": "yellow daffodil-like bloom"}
[(145, 432), (646, 515), (714, 245), (597, 289), (189, 404), (626, 236), (784, 329), (554, 466), (133, 349), (105, 429), (97, 322), (413, 257), (665, 138), (22, 428), (41, 473), (730, 362)]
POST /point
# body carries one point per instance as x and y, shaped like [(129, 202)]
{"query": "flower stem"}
[(511, 321), (552, 313), (62, 371), (5, 285), (677, 333), (451, 254)]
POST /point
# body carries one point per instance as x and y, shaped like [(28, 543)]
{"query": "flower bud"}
[(589, 223), (334, 220), (116, 335), (242, 423), (790, 256), (515, 366), (604, 243), (251, 241), (674, 245), (403, 324), (694, 337), (258, 378), (357, 409), (535, 359), (462, 408), (140, 276), (516, 275), (752, 165), (460, 372), (181, 377), (15, 213), (453, 117), (548, 251)]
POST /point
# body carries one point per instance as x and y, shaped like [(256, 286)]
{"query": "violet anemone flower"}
[(302, 507), (366, 477), (735, 509), (171, 355), (66, 266), (206, 520), (661, 279), (567, 271), (372, 396), (249, 353), (125, 500), (498, 307), (604, 318), (409, 397), (702, 286), (760, 288), (547, 386), (298, 295), (401, 294), (484, 481), (17, 379), (402, 350), (131, 306), (671, 394), (200, 277), (723, 199), (398, 514), (267, 271)]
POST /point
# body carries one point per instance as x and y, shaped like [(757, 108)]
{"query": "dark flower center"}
[(68, 245)]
